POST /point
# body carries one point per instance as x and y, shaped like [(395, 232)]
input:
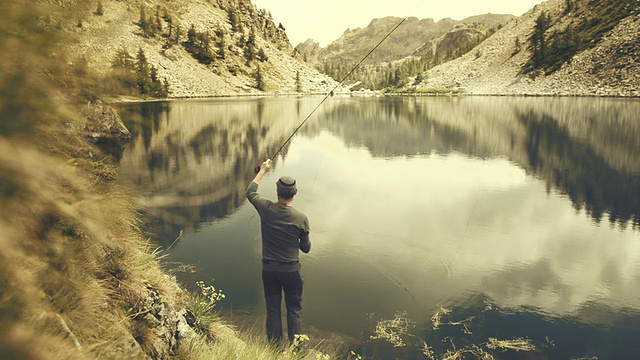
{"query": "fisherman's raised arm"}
[(252, 190)]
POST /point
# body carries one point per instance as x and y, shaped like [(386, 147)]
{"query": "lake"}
[(446, 220)]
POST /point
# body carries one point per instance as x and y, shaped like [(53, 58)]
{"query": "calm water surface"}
[(520, 216)]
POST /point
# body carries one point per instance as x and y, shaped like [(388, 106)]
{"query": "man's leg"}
[(292, 283), (273, 297)]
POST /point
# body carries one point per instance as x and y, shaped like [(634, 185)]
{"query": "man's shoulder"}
[(298, 213)]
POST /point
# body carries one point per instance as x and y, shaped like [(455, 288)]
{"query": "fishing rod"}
[(257, 169)]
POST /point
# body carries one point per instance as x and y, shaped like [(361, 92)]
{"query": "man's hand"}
[(264, 168)]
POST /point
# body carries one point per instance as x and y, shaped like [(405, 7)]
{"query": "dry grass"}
[(74, 267)]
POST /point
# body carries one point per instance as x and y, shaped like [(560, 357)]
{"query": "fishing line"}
[(314, 183), (473, 211), (331, 92)]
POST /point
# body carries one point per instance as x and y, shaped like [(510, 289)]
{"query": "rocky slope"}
[(610, 68), (408, 39), (99, 38)]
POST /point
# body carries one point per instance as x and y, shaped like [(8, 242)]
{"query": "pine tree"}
[(233, 19), (123, 60), (158, 20), (262, 55), (142, 73), (518, 47), (177, 34), (539, 42), (191, 37), (142, 22), (260, 84), (165, 88), (419, 78), (221, 48), (298, 82), (169, 19)]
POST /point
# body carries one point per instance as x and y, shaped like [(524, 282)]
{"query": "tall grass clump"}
[(76, 272)]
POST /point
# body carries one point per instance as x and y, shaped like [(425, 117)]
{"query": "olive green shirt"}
[(285, 230)]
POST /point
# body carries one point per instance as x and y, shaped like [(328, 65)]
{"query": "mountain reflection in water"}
[(521, 213)]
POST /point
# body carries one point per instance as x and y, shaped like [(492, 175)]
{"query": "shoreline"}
[(121, 101)]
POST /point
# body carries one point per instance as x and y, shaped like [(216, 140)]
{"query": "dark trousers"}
[(274, 283)]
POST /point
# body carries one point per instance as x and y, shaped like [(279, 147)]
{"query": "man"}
[(285, 230)]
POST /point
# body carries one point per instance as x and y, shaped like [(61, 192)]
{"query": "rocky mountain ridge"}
[(414, 34), (493, 67), (609, 68)]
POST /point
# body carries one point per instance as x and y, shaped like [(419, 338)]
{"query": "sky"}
[(325, 20)]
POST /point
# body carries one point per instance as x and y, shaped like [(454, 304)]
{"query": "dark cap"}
[(286, 183)]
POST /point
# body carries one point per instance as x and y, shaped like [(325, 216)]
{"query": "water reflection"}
[(580, 171), (193, 158), (416, 204), (587, 148)]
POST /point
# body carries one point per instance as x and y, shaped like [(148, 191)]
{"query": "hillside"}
[(413, 35), (412, 46), (607, 66), (234, 51)]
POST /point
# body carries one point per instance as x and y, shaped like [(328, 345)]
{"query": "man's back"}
[(284, 228)]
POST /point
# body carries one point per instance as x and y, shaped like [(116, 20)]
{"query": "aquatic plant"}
[(393, 330), (396, 331)]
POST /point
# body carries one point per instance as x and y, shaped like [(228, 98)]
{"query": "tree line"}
[(135, 76), (205, 46), (412, 70)]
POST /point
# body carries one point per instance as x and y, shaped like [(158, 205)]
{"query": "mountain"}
[(592, 48), (408, 38), (201, 48)]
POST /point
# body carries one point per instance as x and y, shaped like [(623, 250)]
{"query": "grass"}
[(231, 344), (74, 266), (429, 91)]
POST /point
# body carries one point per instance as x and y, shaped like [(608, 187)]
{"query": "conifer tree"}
[(165, 88), (298, 82), (169, 19), (142, 73), (262, 56), (260, 84), (142, 22), (221, 48), (158, 20), (233, 19), (518, 47), (538, 40), (177, 34)]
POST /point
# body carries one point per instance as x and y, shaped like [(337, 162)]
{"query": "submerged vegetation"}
[(398, 333)]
